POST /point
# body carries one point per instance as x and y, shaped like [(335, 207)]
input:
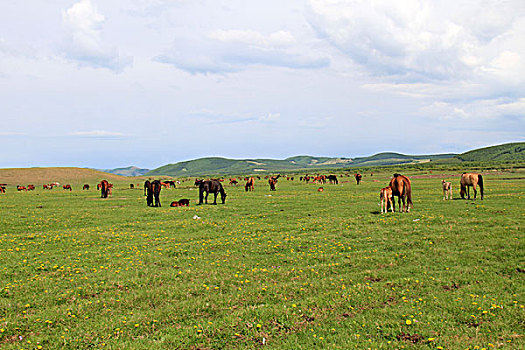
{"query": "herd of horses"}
[(400, 186)]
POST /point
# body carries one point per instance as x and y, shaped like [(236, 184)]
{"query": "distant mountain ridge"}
[(210, 166), (128, 171), (224, 166)]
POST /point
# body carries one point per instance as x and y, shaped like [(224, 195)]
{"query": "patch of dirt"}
[(413, 338)]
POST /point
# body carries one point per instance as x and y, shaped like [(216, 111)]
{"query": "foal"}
[(385, 196), (447, 189)]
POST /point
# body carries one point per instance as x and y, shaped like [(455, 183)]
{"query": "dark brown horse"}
[(85, 187), (211, 186), (104, 188), (67, 187), (358, 178), (471, 179), (152, 190), (401, 188)]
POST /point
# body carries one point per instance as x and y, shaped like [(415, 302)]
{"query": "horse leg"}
[(475, 191), (206, 198), (215, 198)]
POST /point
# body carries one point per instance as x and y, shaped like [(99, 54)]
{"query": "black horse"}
[(332, 179), (211, 186), (151, 190)]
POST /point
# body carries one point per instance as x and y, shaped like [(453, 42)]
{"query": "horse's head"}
[(223, 196)]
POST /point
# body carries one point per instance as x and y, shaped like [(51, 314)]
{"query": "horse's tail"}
[(480, 183), (409, 196)]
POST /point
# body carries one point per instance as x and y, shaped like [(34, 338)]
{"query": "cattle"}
[(131, 186), (21, 188), (2, 189), (67, 187), (30, 187), (85, 187)]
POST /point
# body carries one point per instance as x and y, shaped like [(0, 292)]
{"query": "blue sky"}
[(104, 83)]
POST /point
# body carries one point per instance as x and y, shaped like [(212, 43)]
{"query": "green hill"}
[(224, 166), (505, 152)]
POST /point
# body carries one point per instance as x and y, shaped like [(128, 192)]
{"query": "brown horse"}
[(181, 203), (85, 187), (272, 181), (471, 179), (67, 187), (385, 198), (249, 184), (402, 189)]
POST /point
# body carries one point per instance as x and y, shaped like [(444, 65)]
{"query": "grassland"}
[(291, 269)]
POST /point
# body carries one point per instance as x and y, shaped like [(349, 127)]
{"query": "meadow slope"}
[(295, 268)]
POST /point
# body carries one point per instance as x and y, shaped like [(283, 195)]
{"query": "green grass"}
[(295, 268)]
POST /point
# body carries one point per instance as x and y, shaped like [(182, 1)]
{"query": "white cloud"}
[(423, 39), (225, 51), (84, 44)]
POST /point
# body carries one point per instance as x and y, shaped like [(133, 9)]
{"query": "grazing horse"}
[(85, 187), (272, 181), (181, 203), (67, 187), (385, 198), (401, 188), (333, 179), (21, 188), (471, 179), (358, 178), (104, 188), (156, 186), (447, 189), (249, 184), (148, 193), (211, 186), (30, 187)]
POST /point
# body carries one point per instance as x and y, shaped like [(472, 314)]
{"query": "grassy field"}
[(291, 269)]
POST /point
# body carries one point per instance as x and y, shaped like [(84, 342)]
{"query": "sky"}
[(107, 83)]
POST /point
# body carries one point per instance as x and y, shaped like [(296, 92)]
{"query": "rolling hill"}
[(505, 152), (40, 176), (225, 166), (128, 171)]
